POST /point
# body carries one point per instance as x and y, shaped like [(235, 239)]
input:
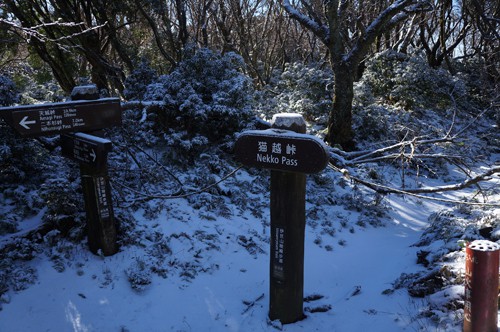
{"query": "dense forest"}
[(105, 42), (405, 93)]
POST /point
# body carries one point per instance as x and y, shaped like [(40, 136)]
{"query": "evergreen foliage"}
[(300, 88), (8, 91), (137, 82), (409, 82), (206, 95)]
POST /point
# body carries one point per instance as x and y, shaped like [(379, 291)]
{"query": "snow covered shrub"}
[(16, 276), (22, 163), (47, 92), (5, 152), (60, 197), (481, 87), (371, 122), (8, 91), (138, 81), (184, 145), (207, 95), (300, 88), (139, 275), (7, 224), (409, 82)]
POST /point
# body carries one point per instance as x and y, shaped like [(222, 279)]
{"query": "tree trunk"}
[(340, 119)]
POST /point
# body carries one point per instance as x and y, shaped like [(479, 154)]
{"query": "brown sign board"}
[(56, 118), (281, 150), (85, 148)]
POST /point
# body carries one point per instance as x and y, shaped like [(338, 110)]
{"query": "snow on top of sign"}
[(67, 103), (484, 245), (287, 120), (85, 89), (97, 139), (85, 92)]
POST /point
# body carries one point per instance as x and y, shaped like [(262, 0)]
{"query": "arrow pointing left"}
[(25, 122)]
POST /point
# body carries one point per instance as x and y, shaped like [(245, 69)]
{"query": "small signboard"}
[(88, 149), (56, 118), (281, 150)]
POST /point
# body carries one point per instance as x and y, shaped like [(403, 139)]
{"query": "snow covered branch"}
[(407, 152), (387, 19), (346, 159), (311, 23), (485, 176), (36, 32)]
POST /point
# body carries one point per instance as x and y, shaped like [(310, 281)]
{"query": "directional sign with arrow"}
[(25, 122), (56, 118), (88, 149)]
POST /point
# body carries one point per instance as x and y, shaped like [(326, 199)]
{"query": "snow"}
[(93, 138), (85, 89), (283, 133), (201, 263), (211, 272), (92, 293), (484, 245), (213, 302), (288, 120)]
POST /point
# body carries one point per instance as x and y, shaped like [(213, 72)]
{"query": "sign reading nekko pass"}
[(290, 154), (281, 150), (56, 118)]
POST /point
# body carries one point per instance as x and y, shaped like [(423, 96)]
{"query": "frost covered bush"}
[(15, 276), (409, 82), (8, 91), (47, 92), (371, 122), (139, 275), (207, 95), (481, 87), (60, 197), (137, 82), (21, 165), (300, 88)]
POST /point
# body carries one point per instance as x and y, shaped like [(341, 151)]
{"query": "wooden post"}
[(290, 156), (101, 227), (287, 234), (481, 286)]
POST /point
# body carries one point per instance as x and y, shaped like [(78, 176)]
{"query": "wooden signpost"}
[(281, 150), (57, 118), (87, 149), (101, 227), (69, 119), (92, 154), (290, 156)]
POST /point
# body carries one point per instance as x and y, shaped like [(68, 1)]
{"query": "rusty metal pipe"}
[(481, 286)]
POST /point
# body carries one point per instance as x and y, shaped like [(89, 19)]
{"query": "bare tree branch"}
[(34, 31), (382, 189)]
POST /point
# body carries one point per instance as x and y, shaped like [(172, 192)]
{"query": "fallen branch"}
[(147, 197), (381, 189), (250, 304)]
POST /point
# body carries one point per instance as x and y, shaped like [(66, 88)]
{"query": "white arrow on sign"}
[(93, 155), (24, 122)]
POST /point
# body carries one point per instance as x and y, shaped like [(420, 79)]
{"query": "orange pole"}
[(481, 286)]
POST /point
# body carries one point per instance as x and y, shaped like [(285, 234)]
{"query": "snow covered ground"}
[(201, 263), (190, 272)]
